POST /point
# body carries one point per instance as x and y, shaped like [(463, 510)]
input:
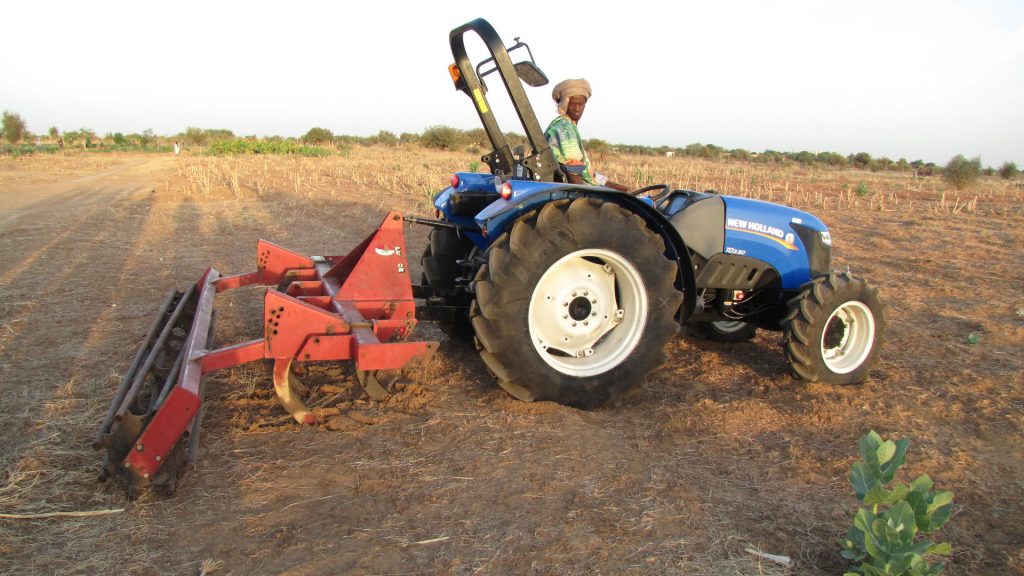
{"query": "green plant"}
[(862, 189), (387, 138), (961, 172), (884, 535), (442, 137), (1008, 170), (238, 146), (13, 127), (318, 136)]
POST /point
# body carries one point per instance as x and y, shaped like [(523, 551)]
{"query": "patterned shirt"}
[(565, 141)]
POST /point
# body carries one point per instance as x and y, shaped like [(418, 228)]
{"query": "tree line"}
[(959, 171)]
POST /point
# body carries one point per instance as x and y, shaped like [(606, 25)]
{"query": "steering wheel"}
[(647, 189)]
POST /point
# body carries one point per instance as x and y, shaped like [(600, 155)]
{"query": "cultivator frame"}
[(356, 307)]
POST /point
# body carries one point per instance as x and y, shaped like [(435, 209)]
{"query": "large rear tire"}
[(575, 304), (834, 330)]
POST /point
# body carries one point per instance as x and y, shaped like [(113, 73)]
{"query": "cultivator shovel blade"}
[(356, 307)]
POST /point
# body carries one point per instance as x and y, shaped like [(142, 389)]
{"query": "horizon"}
[(917, 80)]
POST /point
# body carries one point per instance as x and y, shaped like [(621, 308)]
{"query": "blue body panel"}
[(753, 228), (764, 231), (526, 195)]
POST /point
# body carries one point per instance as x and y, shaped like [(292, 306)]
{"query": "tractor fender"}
[(500, 216)]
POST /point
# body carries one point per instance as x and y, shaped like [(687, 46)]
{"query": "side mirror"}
[(529, 72)]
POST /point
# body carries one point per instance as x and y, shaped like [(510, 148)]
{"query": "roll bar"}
[(540, 164)]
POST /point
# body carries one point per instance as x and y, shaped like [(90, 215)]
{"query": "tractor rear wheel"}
[(834, 330), (723, 330), (575, 304)]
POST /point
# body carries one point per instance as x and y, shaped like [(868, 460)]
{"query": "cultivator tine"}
[(291, 401), (372, 384)]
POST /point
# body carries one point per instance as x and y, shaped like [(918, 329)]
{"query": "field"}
[(720, 452)]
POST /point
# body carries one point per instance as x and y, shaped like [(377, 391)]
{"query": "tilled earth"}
[(720, 452)]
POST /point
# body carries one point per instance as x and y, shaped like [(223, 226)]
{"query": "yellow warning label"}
[(480, 102)]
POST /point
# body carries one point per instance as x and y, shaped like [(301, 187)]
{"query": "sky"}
[(909, 79)]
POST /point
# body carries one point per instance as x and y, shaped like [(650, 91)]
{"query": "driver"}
[(564, 137)]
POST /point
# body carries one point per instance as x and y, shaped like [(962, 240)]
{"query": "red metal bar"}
[(232, 356), (273, 264)]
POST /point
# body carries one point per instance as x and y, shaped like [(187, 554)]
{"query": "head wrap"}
[(567, 89)]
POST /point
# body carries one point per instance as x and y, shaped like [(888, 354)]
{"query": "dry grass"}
[(720, 451)]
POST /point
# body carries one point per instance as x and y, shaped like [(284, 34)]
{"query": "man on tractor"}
[(564, 136)]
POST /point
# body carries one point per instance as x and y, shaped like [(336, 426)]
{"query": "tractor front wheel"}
[(575, 304), (834, 330)]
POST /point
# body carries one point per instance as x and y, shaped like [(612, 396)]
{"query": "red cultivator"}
[(356, 307)]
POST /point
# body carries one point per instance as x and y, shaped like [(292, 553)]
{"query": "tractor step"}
[(356, 307)]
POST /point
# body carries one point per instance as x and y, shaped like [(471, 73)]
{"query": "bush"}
[(597, 145), (961, 172), (387, 138), (860, 159), (1008, 171), (443, 137), (318, 136), (740, 154), (13, 127)]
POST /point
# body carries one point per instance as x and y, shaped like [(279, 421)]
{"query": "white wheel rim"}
[(729, 326), (588, 312), (847, 353)]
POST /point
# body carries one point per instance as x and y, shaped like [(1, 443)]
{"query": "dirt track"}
[(720, 451)]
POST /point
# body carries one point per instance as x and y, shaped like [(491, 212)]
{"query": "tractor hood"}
[(795, 243)]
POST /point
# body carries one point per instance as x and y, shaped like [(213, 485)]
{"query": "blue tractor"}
[(571, 292)]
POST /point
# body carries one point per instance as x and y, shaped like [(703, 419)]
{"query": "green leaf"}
[(862, 480), (877, 540), (879, 495), (869, 444), (901, 565), (886, 451), (919, 502), (869, 570), (931, 511), (939, 510), (865, 521), (890, 465), (901, 518), (940, 499), (923, 484), (854, 544), (943, 548)]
